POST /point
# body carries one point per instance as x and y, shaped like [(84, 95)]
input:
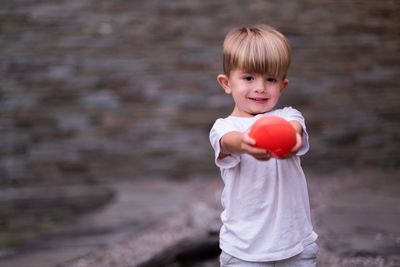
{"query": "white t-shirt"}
[(266, 213)]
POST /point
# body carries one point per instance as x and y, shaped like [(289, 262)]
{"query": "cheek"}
[(239, 92), (277, 92), (238, 97)]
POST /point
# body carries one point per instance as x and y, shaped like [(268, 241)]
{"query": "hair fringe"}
[(259, 49)]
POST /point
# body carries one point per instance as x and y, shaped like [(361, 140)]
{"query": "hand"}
[(247, 146), (297, 147)]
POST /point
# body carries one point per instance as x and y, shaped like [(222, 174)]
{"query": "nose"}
[(260, 86)]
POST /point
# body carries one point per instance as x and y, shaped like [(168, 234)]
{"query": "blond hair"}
[(259, 49)]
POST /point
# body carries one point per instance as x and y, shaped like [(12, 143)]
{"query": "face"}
[(253, 93)]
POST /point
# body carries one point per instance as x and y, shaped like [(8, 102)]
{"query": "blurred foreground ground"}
[(356, 215)]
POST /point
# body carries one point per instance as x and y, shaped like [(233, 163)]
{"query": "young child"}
[(266, 215)]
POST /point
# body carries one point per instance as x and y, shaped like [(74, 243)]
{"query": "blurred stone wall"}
[(95, 90)]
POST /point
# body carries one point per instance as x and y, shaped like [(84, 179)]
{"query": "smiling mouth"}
[(258, 99)]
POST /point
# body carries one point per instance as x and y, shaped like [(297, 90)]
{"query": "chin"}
[(258, 112), (264, 111)]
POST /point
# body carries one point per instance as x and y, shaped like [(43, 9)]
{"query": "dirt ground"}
[(356, 215)]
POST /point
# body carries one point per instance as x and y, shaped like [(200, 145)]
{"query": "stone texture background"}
[(96, 91)]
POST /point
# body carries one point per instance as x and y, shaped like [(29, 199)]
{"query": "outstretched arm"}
[(237, 143)]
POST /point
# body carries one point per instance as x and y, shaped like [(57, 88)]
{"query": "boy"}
[(266, 214)]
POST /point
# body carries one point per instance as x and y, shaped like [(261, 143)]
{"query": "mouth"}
[(260, 100)]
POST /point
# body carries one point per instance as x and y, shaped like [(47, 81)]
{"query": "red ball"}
[(274, 134)]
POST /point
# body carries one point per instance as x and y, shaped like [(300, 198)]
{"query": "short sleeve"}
[(292, 114), (219, 129)]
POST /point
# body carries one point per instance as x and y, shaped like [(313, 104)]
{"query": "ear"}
[(285, 84), (223, 80)]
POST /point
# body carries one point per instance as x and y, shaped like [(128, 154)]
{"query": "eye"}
[(272, 80), (248, 78)]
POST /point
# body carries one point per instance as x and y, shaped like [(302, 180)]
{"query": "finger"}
[(255, 150), (261, 154), (248, 140), (263, 157), (299, 144)]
